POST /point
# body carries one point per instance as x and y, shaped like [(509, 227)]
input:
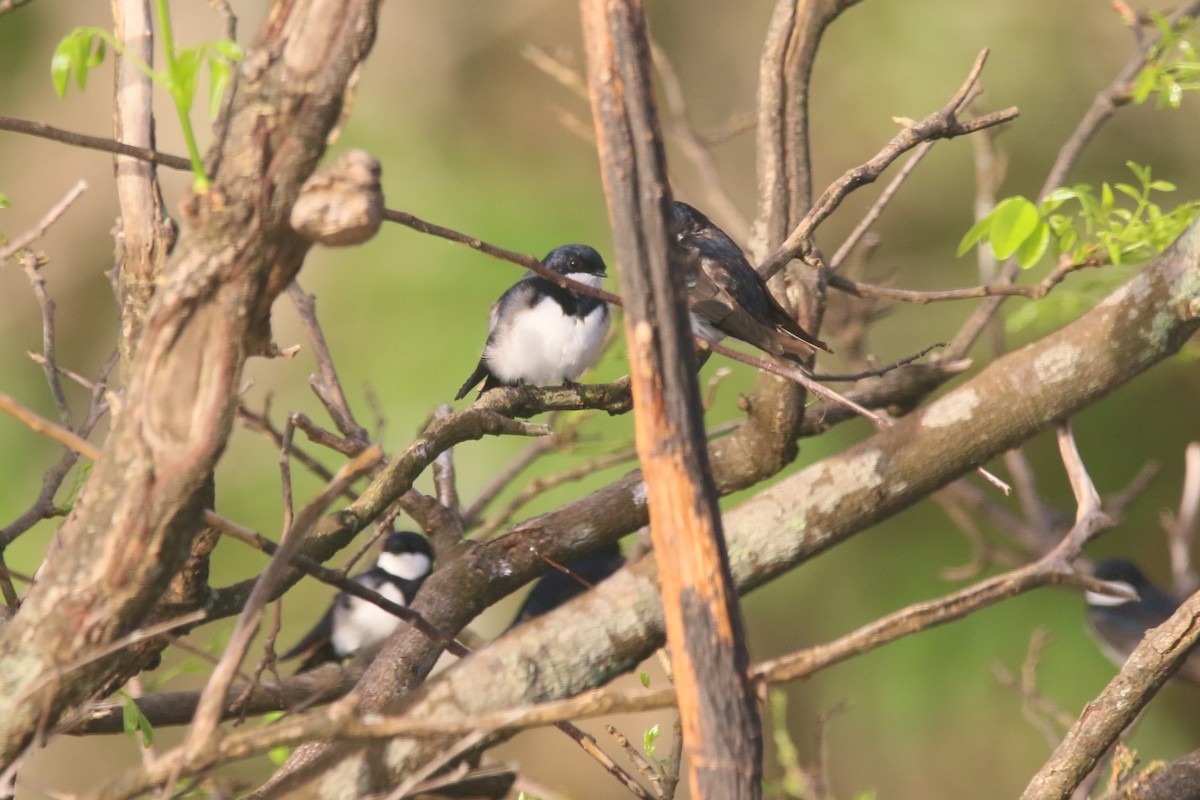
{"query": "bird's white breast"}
[(361, 624), (542, 345), (705, 330)]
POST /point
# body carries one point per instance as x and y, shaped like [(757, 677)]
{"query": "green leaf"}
[(96, 57), (1052, 201), (79, 52), (1034, 247), (228, 50), (648, 740), (1013, 221), (218, 82), (183, 76), (133, 720), (3, 200), (1142, 173), (974, 235), (1114, 253), (1106, 198), (1163, 186), (644, 677), (1145, 83), (60, 71), (1129, 191)]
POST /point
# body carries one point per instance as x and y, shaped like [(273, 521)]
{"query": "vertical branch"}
[(717, 703), (784, 162), (144, 235), (784, 173)]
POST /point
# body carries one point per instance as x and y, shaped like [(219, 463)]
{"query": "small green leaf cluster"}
[(277, 755), (1087, 227), (1172, 66), (135, 721), (84, 48)]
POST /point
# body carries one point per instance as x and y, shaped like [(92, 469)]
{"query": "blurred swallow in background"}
[(726, 295), (556, 587), (352, 623), (541, 333), (1119, 625)]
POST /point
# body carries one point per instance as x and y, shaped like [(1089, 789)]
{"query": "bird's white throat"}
[(1108, 600), (407, 566)]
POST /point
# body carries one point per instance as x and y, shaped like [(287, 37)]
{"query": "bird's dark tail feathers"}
[(481, 372), (798, 342)]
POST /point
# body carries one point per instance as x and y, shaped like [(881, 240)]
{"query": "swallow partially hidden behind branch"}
[(726, 296)]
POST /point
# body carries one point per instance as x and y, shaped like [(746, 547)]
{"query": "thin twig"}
[(829, 395), (101, 143), (29, 263), (678, 128), (318, 435), (1001, 288), (879, 205), (285, 471), (58, 433), (535, 450), (460, 748), (39, 230), (212, 700), (639, 761), (1042, 714), (795, 374), (528, 262), (329, 387), (941, 124), (43, 506), (588, 744), (261, 422), (539, 486), (41, 361), (1021, 471), (880, 371)]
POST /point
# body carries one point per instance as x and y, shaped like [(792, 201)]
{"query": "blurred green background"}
[(469, 136)]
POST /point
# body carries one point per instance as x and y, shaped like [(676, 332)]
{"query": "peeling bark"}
[(134, 523)]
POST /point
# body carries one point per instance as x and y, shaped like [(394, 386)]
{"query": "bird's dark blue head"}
[(557, 587), (577, 258), (406, 555), (687, 220), (1152, 602)]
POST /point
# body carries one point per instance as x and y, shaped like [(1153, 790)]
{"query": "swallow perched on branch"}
[(352, 623), (541, 333), (557, 587), (1119, 624), (726, 296)]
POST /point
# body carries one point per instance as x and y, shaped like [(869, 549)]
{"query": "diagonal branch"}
[(941, 124)]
